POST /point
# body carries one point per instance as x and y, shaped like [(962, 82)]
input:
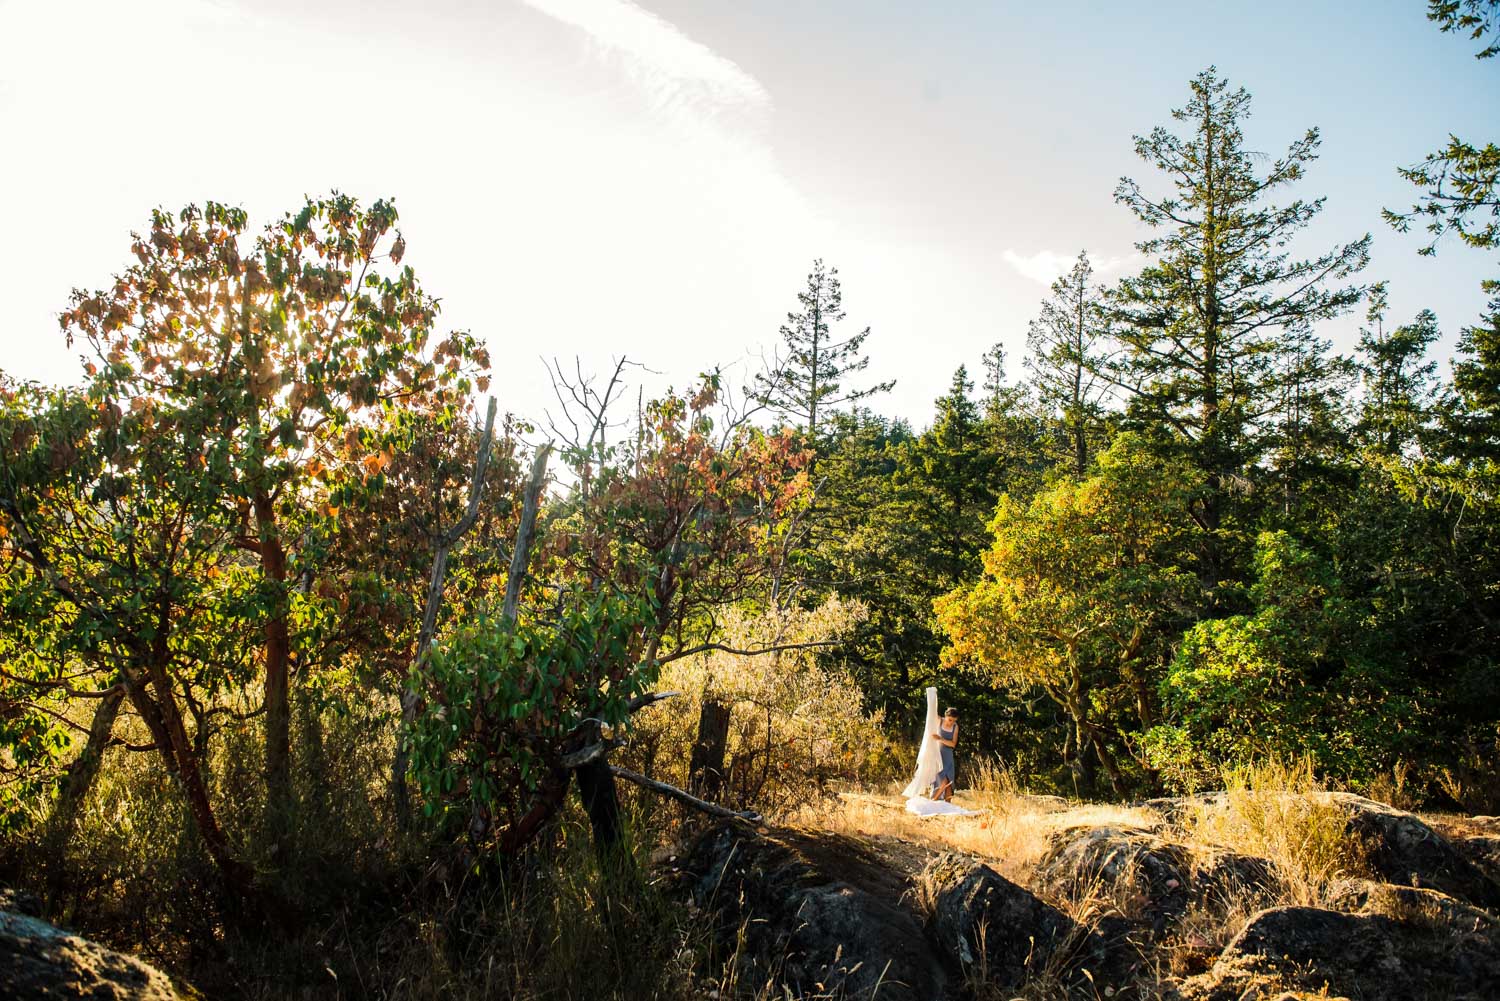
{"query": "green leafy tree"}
[(1290, 680), (120, 574), (1081, 591), (1202, 324)]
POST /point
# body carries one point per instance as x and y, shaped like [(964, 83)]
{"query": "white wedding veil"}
[(929, 758)]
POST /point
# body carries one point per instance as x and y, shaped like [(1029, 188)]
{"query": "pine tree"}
[(951, 461), (998, 397), (810, 380), (1461, 181), (1203, 324), (1069, 357)]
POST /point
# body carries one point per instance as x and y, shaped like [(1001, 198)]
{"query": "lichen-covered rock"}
[(1402, 849), (1000, 932), (1429, 907), (1483, 850), (1085, 860), (41, 961), (820, 913), (1388, 942)]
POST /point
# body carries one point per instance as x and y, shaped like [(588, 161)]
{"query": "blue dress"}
[(947, 773)]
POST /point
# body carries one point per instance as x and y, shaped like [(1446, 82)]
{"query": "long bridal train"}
[(929, 761)]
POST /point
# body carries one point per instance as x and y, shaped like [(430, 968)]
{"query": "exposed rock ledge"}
[(39, 960)]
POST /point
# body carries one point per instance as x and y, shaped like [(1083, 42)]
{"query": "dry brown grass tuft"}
[(1281, 813)]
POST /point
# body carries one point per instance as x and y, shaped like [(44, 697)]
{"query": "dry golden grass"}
[(1281, 813), (1011, 832)]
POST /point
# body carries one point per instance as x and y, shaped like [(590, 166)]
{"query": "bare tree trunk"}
[(430, 608), (596, 788), (277, 666), (552, 791), (525, 532), (706, 763), (84, 769)]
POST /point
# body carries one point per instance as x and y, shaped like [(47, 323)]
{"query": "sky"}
[(594, 178)]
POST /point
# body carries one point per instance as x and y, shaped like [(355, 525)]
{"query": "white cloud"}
[(682, 79), (1046, 266)]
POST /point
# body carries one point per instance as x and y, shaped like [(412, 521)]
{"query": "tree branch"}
[(688, 799), (725, 648)]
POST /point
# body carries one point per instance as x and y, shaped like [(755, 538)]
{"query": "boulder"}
[(1386, 942), (1142, 874), (1408, 903), (1483, 850), (1402, 849), (1176, 809), (39, 960), (820, 913), (1002, 933), (1146, 877)]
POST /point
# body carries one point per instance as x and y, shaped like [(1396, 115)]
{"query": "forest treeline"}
[(276, 592)]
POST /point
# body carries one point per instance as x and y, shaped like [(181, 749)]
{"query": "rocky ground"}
[(1108, 910), (1137, 902)]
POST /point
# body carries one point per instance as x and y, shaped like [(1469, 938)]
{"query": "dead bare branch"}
[(686, 798)]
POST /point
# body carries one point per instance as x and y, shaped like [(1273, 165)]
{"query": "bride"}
[(930, 791)]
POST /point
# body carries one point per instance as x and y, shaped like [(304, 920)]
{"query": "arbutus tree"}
[(310, 342), (1081, 590), (125, 559)]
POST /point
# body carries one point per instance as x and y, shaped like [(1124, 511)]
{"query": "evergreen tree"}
[(1205, 321), (811, 379), (997, 395), (1307, 443), (1069, 357), (1461, 181), (950, 464), (1476, 378), (1477, 18), (1399, 381)]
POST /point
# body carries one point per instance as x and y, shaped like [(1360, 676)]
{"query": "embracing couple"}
[(936, 773)]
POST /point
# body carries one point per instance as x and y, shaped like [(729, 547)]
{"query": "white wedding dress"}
[(929, 763)]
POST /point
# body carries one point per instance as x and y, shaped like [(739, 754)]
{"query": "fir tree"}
[(1069, 357), (811, 379), (1205, 322)]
